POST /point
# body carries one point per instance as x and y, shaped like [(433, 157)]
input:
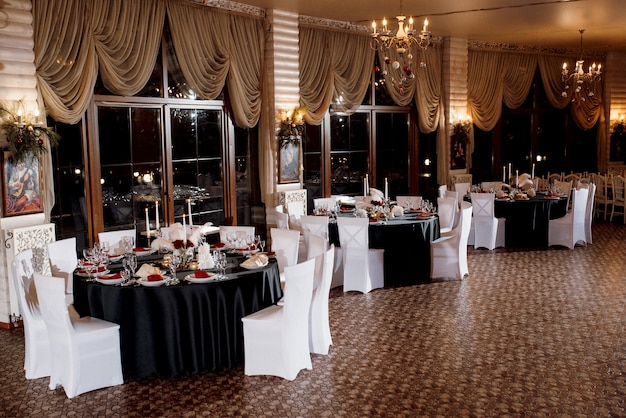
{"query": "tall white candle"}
[(510, 174), (532, 175), (367, 184), (386, 189), (364, 187), (189, 211), (503, 174), (517, 178), (156, 210), (184, 228), (147, 225)]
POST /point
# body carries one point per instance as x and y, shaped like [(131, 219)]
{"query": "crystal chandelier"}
[(396, 46), (579, 79)]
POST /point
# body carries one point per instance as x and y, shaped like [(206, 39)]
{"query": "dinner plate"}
[(252, 267), (191, 278), (145, 282), (142, 251), (423, 216), (104, 280), (83, 273)]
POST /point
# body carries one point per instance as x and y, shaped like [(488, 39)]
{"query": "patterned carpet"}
[(529, 333)]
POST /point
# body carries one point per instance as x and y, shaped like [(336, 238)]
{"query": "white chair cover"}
[(448, 255), (327, 203), (63, 262), (442, 191), (462, 189), (453, 194), (226, 230), (409, 202), (36, 343), (85, 352), (446, 210), (114, 239), (488, 230), (566, 188), (319, 329), (570, 229), (589, 213), (317, 225), (296, 209), (276, 339), (363, 268), (317, 245), (285, 245)]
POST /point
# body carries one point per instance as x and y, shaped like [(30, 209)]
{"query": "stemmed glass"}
[(219, 259), (130, 264), (174, 264), (262, 245), (249, 245), (257, 240), (90, 262)]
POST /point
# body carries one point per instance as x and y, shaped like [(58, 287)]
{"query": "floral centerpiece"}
[(26, 140), (291, 126), (458, 141), (185, 251)]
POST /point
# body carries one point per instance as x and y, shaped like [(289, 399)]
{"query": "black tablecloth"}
[(172, 330), (527, 221), (406, 241)]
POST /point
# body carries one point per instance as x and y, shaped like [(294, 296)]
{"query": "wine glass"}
[(130, 263), (257, 240), (249, 245), (90, 260), (174, 264), (262, 245)]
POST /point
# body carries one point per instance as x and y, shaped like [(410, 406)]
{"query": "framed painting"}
[(20, 186), (289, 163)]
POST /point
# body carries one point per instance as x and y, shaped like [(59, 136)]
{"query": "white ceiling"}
[(538, 23)]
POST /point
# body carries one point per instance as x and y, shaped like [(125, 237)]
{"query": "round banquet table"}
[(527, 221), (406, 241), (184, 328)]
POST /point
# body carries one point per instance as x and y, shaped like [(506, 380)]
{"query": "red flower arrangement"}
[(179, 243)]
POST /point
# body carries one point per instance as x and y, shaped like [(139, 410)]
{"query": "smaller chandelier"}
[(387, 41), (579, 79)]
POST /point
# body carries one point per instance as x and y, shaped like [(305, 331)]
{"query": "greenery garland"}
[(291, 127), (26, 140)]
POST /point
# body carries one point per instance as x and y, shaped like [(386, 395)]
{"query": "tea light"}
[(193, 265)]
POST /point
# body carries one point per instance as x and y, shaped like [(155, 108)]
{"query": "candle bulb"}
[(156, 210), (185, 229), (386, 189), (532, 174), (367, 184), (364, 187), (37, 116), (510, 174), (19, 116), (504, 174), (189, 211), (516, 179), (147, 225)]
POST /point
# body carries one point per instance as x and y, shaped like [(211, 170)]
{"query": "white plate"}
[(251, 267), (192, 279), (110, 281), (93, 274), (145, 252), (144, 282), (115, 257)]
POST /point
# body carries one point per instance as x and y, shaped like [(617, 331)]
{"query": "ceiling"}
[(536, 23)]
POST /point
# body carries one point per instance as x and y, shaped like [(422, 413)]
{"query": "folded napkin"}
[(219, 245), (117, 275), (205, 258), (100, 269), (162, 244), (257, 260), (397, 211), (141, 249), (361, 213), (201, 274), (154, 278), (146, 270)]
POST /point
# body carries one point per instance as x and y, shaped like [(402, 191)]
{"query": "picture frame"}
[(21, 193), (289, 162)]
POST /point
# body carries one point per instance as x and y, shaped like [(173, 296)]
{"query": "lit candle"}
[(510, 173), (147, 225), (386, 189), (37, 116), (385, 24), (504, 174), (367, 184), (189, 211), (185, 228), (532, 174), (19, 116), (374, 26), (516, 178), (425, 28), (364, 187), (156, 210)]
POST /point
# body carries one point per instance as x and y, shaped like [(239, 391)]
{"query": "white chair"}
[(285, 245), (319, 329), (462, 189), (589, 213), (448, 255), (488, 230), (446, 210), (296, 209), (85, 352), (441, 191), (276, 339), (227, 230), (570, 229), (36, 343), (566, 189), (317, 245), (282, 220), (114, 239), (602, 199), (409, 202), (317, 225), (63, 262), (619, 201), (327, 203), (453, 194), (363, 268)]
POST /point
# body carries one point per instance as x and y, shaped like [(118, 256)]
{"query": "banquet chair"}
[(36, 342), (602, 199), (363, 268), (282, 220), (312, 225), (453, 194), (85, 352), (442, 191), (276, 339), (488, 230), (619, 185), (574, 178), (63, 262), (568, 230), (554, 177), (491, 186), (566, 189), (589, 213), (448, 254), (227, 230), (319, 329), (285, 245), (409, 202), (446, 210), (114, 239), (327, 203), (462, 189), (296, 209), (317, 245)]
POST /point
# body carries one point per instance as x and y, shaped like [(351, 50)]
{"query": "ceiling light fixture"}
[(579, 79), (396, 46)]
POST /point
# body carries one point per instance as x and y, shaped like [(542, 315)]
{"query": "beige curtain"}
[(214, 48), (334, 67)]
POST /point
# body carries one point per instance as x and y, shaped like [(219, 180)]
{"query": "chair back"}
[(589, 213), (317, 225), (227, 231), (409, 202), (296, 209), (619, 184), (23, 271), (317, 245), (114, 238), (282, 220), (285, 245), (353, 233), (465, 223), (579, 206), (442, 190), (63, 260), (452, 194), (319, 329), (483, 205), (446, 210), (462, 189), (327, 203), (299, 279), (491, 186), (566, 188)]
